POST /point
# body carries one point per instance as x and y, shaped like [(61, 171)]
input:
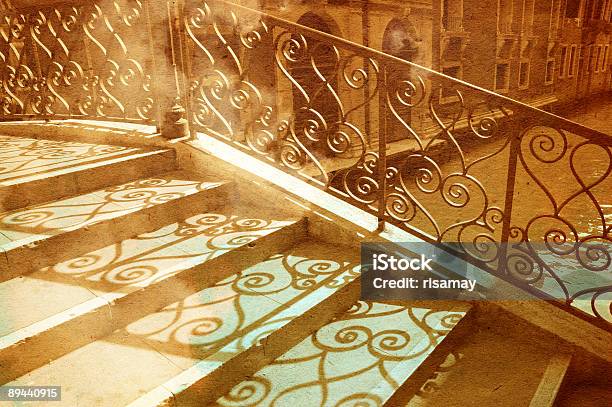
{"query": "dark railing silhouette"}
[(526, 193)]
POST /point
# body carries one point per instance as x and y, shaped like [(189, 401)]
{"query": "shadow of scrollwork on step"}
[(153, 256), (364, 348), (55, 217), (242, 308), (21, 157), (116, 271)]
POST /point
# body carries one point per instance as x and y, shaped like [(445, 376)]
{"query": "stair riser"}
[(219, 381), (24, 259), (73, 183), (103, 318)]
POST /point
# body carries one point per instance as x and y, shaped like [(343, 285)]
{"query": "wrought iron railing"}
[(86, 59), (526, 193)]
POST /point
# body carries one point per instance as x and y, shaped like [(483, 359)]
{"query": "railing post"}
[(152, 15), (382, 176), (382, 165), (365, 12), (169, 90), (515, 143)]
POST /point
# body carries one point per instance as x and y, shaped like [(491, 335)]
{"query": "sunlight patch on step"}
[(103, 373)]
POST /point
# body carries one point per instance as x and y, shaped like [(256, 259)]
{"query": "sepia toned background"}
[(185, 186)]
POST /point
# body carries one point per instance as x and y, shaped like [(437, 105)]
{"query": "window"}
[(524, 75), (580, 61), (597, 58), (563, 61), (550, 72), (591, 59), (452, 52), (528, 10), (453, 71), (502, 76), (597, 12), (604, 63), (555, 8), (504, 16), (452, 14), (445, 14), (572, 8), (572, 62)]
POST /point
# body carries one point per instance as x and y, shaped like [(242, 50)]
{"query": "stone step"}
[(551, 381), (212, 339), (492, 369), (57, 309), (49, 233), (361, 358), (34, 171)]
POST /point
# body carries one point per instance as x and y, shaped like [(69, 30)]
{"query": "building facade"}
[(546, 53)]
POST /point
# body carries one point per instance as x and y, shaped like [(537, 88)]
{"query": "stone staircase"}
[(129, 282)]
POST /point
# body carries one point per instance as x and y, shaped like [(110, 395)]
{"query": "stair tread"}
[(207, 327), (26, 159), (26, 226), (362, 356), (114, 271), (258, 300), (476, 365)]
